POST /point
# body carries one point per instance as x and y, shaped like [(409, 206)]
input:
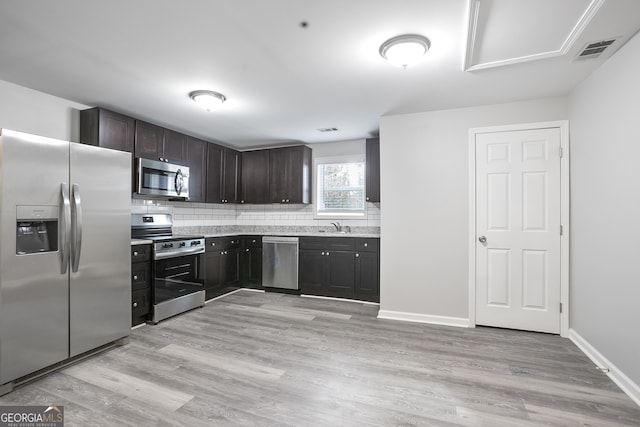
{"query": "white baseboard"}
[(340, 299), (424, 318), (617, 376)]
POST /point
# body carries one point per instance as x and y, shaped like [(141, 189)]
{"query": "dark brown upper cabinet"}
[(223, 175), (174, 146), (197, 162), (104, 128), (255, 177), (372, 170), (290, 174), (232, 173), (157, 143)]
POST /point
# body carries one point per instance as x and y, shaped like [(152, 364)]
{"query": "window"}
[(340, 189)]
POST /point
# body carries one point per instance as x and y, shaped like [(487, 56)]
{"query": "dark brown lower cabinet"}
[(221, 265), (342, 267), (339, 267), (140, 283), (251, 262)]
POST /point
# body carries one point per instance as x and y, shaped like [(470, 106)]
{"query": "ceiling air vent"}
[(595, 49), (327, 129)]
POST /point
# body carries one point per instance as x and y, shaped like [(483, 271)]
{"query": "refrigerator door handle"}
[(66, 227), (76, 231)]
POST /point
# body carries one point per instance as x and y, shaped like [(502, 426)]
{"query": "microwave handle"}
[(179, 182)]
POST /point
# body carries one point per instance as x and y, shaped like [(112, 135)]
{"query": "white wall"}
[(424, 191), (604, 113), (30, 111)]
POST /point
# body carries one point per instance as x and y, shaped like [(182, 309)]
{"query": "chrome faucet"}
[(339, 227)]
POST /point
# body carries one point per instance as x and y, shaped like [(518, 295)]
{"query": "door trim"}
[(563, 125)]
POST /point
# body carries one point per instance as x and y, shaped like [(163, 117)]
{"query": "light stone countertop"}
[(295, 234), (222, 231), (140, 242)]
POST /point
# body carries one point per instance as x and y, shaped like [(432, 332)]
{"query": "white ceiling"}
[(284, 81)]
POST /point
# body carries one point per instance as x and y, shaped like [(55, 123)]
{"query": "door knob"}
[(482, 239)]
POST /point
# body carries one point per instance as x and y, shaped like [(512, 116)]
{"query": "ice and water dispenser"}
[(36, 229)]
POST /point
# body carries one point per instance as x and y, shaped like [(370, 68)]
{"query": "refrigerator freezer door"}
[(34, 295), (100, 289)]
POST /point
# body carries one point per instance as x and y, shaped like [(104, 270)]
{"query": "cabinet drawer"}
[(140, 302), (221, 243), (140, 253), (311, 243), (140, 275), (367, 244), (340, 243), (253, 241)]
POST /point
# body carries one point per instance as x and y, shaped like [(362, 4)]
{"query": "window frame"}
[(353, 158)]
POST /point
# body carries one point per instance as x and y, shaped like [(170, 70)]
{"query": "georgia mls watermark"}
[(31, 416)]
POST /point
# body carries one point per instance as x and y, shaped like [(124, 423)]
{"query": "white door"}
[(518, 229)]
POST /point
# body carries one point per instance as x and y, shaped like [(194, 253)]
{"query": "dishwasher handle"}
[(279, 239)]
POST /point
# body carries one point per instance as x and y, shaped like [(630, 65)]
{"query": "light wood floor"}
[(258, 359)]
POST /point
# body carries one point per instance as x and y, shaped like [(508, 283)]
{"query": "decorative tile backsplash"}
[(188, 214)]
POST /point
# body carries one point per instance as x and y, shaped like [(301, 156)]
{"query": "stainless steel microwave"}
[(160, 179)]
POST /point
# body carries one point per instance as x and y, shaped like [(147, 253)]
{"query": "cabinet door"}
[(174, 147), (372, 170), (148, 140), (231, 176), (367, 276), (140, 305), (255, 177), (253, 266), (299, 184), (341, 274), (214, 173), (231, 262), (197, 162), (279, 174), (290, 174), (311, 271), (213, 268), (107, 129)]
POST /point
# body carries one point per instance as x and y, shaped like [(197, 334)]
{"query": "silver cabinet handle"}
[(322, 254), (135, 304), (246, 250), (135, 253), (357, 255), (213, 244), (66, 230), (135, 277), (76, 231), (365, 245), (482, 239)]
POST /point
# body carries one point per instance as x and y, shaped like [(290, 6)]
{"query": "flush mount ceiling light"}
[(405, 50), (207, 100)]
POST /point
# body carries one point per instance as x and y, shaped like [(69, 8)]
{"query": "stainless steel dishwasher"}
[(280, 262)]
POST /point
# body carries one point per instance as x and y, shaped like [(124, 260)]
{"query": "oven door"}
[(176, 277), (161, 179)]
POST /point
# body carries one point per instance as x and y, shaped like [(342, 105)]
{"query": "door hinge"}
[(561, 152), (561, 230), (560, 307)]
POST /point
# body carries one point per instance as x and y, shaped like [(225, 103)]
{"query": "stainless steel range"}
[(177, 284)]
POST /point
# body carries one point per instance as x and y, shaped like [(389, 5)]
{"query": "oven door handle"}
[(178, 252)]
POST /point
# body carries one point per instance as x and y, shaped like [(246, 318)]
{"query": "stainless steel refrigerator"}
[(65, 263)]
